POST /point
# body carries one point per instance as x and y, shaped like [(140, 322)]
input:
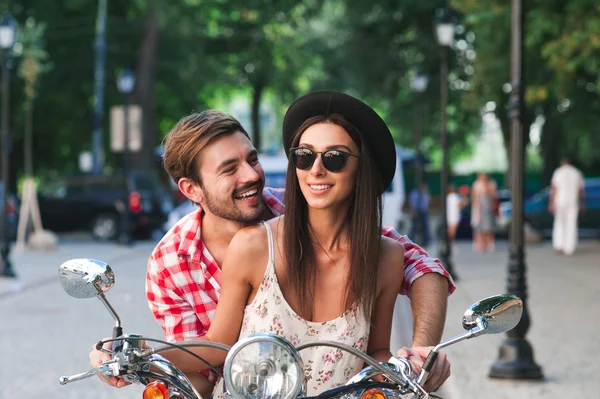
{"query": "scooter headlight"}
[(264, 366)]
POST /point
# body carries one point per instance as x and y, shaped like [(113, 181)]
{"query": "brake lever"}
[(105, 369)]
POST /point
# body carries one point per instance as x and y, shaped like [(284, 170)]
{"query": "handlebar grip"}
[(428, 365)]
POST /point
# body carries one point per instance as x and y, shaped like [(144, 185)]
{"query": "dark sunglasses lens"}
[(303, 159), (334, 161)]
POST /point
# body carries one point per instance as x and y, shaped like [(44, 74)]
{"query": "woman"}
[(483, 197), (323, 271)]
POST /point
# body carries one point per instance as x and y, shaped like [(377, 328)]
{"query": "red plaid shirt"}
[(183, 279)]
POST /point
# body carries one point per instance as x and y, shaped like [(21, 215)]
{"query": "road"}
[(46, 333)]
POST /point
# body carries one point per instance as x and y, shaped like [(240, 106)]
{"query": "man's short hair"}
[(192, 134)]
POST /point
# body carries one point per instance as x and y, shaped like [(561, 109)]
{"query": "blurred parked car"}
[(12, 216), (465, 230), (93, 203), (536, 212)]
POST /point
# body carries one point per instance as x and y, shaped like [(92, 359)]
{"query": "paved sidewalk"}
[(563, 304), (564, 311)]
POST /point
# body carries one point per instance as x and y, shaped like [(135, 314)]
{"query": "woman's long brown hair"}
[(363, 222)]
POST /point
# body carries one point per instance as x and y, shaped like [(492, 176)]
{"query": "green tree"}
[(34, 63), (557, 87), (375, 48), (186, 54)]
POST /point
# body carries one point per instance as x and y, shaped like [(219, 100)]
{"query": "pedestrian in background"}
[(419, 205), (567, 198), (484, 194), (454, 204)]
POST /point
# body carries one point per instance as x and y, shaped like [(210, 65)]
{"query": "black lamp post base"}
[(516, 362)]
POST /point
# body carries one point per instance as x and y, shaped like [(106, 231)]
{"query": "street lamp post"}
[(99, 67), (418, 85), (445, 37), (8, 35), (125, 84), (515, 360)]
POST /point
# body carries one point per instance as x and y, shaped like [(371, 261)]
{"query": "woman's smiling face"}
[(322, 188)]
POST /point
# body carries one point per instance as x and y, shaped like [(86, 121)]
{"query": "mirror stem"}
[(117, 330), (428, 365)]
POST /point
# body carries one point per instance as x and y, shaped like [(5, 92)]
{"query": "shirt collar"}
[(190, 234)]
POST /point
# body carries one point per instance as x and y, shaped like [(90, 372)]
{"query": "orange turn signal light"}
[(157, 390), (373, 393)]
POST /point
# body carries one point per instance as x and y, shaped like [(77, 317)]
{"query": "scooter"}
[(265, 366)]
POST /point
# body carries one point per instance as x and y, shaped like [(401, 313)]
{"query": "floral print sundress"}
[(324, 367)]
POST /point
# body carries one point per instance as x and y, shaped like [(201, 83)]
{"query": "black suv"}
[(94, 203)]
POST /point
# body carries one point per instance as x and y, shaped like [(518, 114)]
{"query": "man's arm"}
[(176, 316), (428, 302), (428, 285), (417, 262), (173, 313)]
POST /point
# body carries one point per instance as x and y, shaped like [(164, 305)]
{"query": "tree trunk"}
[(28, 150), (257, 92), (551, 142), (144, 95), (505, 127), (528, 119)]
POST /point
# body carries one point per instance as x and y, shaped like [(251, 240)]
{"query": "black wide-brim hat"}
[(372, 128)]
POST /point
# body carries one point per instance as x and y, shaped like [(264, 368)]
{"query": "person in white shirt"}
[(566, 200), (454, 204)]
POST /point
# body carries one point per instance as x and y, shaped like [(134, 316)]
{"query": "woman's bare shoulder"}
[(390, 244), (249, 237), (248, 248), (392, 256), (252, 241)]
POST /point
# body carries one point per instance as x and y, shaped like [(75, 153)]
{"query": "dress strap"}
[(271, 245)]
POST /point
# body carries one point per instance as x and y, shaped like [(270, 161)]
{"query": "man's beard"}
[(220, 208)]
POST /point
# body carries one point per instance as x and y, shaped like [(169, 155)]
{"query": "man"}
[(567, 197), (210, 156), (419, 204)]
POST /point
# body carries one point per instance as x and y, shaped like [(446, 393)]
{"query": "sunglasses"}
[(333, 160)]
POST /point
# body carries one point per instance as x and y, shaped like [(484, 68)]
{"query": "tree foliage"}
[(561, 55), (189, 54)]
